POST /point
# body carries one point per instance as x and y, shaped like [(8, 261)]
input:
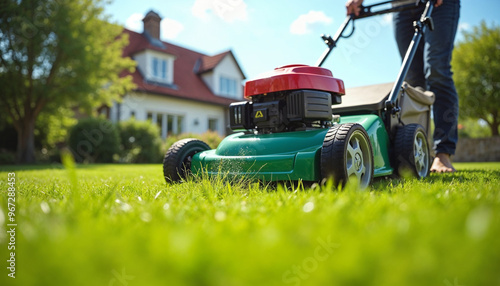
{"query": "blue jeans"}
[(431, 67)]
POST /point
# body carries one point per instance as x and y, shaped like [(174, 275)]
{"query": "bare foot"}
[(442, 164)]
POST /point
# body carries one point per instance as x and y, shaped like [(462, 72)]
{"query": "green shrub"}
[(94, 140), (210, 137), (140, 142)]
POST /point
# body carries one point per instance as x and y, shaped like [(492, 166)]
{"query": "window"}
[(180, 124), (156, 63), (164, 69), (212, 124), (175, 124), (159, 69), (228, 87), (169, 124), (159, 119)]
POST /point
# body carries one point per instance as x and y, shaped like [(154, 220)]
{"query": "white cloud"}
[(134, 22), (464, 26), (200, 9), (227, 10), (169, 28), (303, 24)]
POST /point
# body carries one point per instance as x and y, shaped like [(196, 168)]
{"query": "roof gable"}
[(208, 63), (188, 84)]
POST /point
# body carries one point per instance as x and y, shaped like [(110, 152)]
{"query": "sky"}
[(264, 35)]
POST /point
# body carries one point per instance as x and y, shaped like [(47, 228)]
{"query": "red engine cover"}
[(294, 77)]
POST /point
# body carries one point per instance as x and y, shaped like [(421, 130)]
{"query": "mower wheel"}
[(347, 154), (177, 161), (411, 151)]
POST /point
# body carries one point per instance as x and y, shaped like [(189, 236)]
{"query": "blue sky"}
[(268, 34)]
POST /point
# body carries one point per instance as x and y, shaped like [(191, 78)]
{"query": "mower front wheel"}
[(177, 161), (347, 155)]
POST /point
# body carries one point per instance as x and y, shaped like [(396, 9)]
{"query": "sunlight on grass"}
[(128, 227)]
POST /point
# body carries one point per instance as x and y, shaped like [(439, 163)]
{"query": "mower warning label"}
[(260, 115)]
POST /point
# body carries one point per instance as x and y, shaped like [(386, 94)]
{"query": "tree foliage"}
[(57, 53), (476, 67), (53, 128)]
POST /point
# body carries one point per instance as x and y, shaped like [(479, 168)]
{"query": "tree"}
[(57, 53), (476, 67)]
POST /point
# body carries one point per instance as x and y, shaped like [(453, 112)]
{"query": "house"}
[(180, 90)]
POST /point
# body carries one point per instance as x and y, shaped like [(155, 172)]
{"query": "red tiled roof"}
[(208, 63), (188, 83)]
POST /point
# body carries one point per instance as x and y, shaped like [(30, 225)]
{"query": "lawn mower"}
[(300, 125)]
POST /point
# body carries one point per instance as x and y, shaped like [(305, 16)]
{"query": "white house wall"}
[(209, 79), (192, 111), (228, 68), (141, 60)]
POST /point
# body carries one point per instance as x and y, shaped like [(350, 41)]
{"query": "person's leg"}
[(437, 56), (403, 32)]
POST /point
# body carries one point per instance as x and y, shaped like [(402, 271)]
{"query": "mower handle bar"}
[(420, 28), (365, 12)]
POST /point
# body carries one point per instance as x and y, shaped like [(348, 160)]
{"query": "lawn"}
[(123, 225)]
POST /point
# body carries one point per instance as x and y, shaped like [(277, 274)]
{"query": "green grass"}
[(123, 225)]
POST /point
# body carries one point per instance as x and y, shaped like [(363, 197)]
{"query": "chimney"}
[(152, 24)]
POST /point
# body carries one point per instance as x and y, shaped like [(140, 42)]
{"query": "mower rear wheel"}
[(411, 151), (347, 155), (177, 161)]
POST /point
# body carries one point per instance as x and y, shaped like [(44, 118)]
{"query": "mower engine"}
[(290, 98)]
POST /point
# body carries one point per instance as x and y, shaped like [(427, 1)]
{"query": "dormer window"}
[(156, 66), (159, 69), (228, 87)]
